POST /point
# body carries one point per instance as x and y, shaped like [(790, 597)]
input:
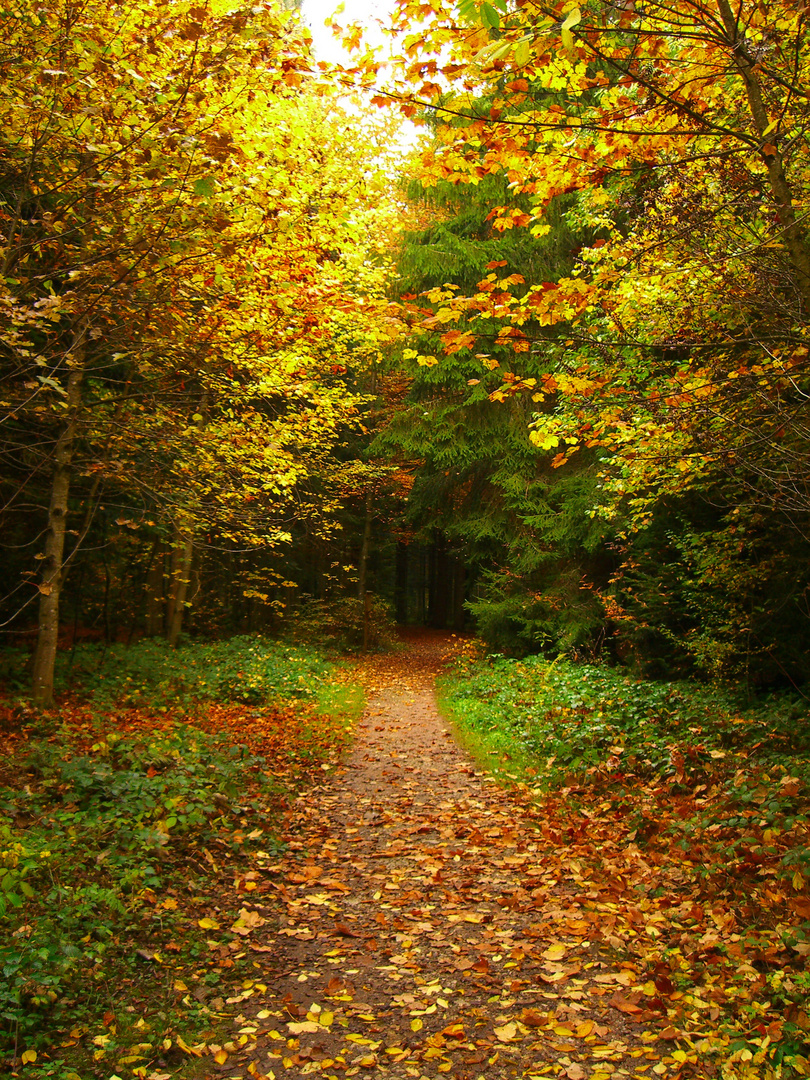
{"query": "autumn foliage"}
[(658, 154), (194, 253), (548, 377)]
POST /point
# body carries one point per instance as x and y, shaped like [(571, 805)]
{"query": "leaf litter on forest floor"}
[(151, 816), (424, 922), (476, 932)]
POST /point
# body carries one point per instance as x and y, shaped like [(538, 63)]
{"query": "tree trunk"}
[(401, 584), (459, 585), (362, 570), (194, 589), (155, 600), (182, 553), (432, 581), (362, 576), (53, 570), (771, 155), (440, 583), (421, 586)]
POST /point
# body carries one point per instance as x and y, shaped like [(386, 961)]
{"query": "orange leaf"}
[(623, 1005), (533, 1018)]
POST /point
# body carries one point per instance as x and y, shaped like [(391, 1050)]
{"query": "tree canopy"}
[(188, 232), (250, 357), (669, 353)]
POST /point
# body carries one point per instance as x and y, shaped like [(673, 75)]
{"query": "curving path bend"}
[(426, 925)]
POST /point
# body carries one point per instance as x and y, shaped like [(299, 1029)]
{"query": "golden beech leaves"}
[(675, 139), (223, 222)]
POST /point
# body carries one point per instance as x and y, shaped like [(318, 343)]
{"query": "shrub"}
[(245, 669)]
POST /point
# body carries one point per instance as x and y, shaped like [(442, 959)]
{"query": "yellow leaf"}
[(416, 1025), (220, 1057), (574, 16), (195, 1050), (555, 952), (306, 1026), (208, 924), (506, 1033), (29, 1056), (543, 440)]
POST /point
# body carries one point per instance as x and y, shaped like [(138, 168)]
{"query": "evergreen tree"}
[(482, 493)]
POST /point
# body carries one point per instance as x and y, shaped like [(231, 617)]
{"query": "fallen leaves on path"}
[(428, 922)]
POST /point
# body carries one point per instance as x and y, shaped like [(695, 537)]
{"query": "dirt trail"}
[(426, 927)]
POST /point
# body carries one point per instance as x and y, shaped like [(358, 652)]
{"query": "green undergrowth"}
[(578, 722), (132, 823), (690, 805), (249, 669), (580, 728), (335, 699)]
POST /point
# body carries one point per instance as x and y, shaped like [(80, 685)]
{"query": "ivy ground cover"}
[(694, 804)]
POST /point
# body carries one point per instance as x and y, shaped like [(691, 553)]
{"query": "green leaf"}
[(205, 187), (490, 17)]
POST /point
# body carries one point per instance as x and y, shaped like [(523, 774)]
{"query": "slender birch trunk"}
[(50, 587)]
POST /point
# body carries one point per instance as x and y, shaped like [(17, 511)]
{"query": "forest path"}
[(425, 926)]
